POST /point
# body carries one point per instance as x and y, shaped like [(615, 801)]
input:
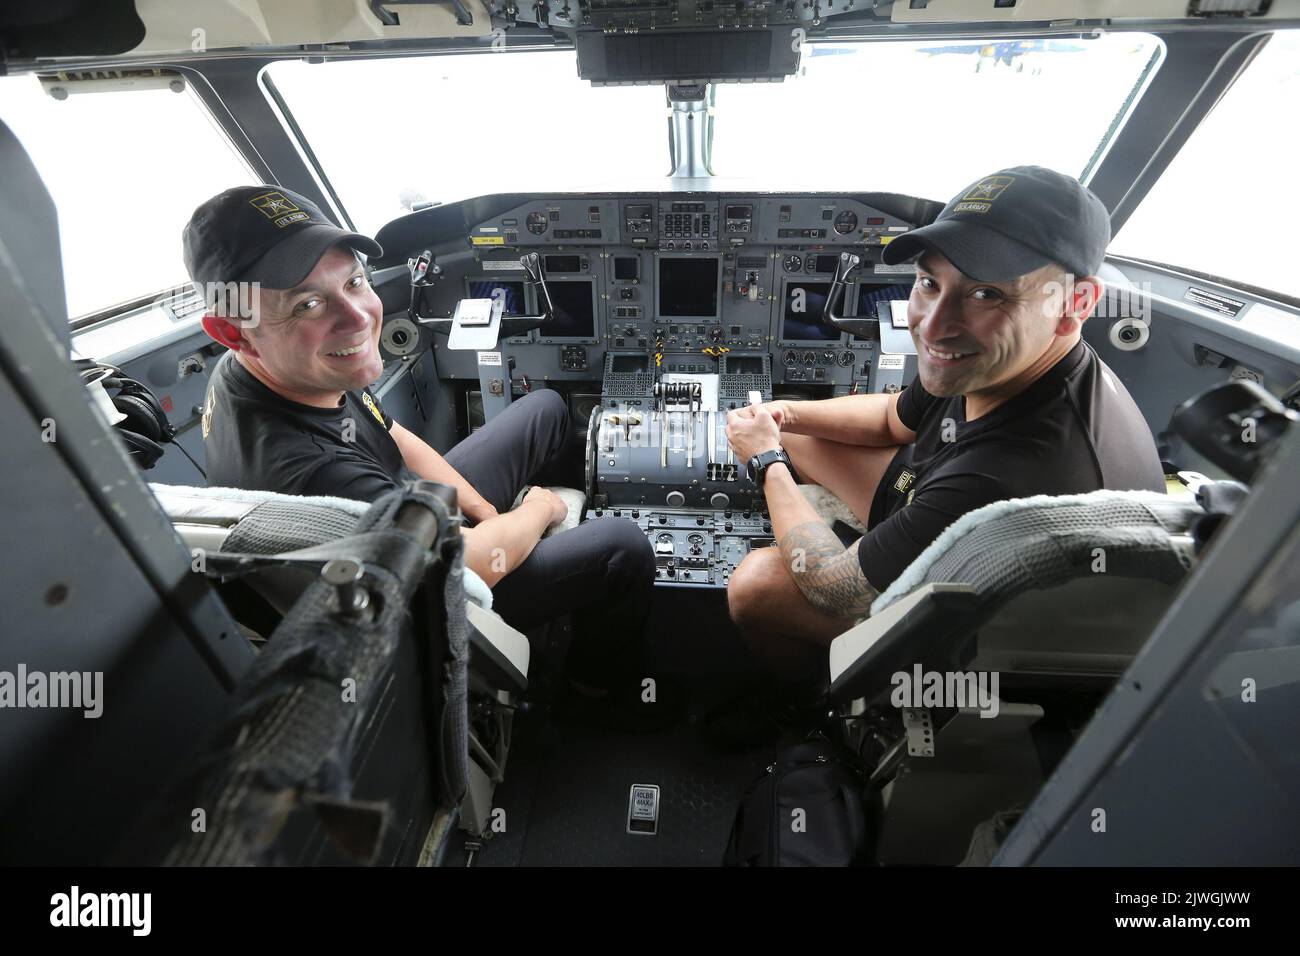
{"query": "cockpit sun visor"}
[(626, 59)]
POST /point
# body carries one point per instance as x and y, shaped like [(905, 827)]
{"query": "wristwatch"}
[(759, 463)]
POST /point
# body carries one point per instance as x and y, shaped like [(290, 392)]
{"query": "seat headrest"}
[(31, 265)]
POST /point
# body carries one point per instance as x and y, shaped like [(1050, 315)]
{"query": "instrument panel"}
[(675, 308), (692, 275)]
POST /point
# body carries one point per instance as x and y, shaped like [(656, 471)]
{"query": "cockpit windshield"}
[(517, 121)]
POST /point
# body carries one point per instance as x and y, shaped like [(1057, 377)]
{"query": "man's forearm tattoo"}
[(827, 573)]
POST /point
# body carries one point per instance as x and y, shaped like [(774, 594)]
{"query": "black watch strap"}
[(759, 464)]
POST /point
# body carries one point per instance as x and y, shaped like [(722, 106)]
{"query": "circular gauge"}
[(826, 358), (809, 358), (791, 359), (536, 223), (793, 263), (846, 222), (846, 359), (695, 538), (664, 538)]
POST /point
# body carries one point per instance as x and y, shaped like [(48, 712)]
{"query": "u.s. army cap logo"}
[(981, 195), (990, 187), (278, 208)]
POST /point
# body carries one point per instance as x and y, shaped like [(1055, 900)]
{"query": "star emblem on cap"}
[(989, 188), (273, 204)]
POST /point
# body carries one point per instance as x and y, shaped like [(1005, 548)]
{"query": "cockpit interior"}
[(664, 212)]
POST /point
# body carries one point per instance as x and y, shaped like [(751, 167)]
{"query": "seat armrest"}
[(926, 626), (182, 505), (498, 653)]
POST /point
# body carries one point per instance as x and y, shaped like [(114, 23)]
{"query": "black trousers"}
[(601, 571)]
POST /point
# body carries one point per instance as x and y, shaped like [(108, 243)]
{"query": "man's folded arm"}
[(829, 574), (870, 420), (422, 459), (493, 548), (497, 546)]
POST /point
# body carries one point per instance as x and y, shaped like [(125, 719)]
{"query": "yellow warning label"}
[(488, 240), (886, 240)]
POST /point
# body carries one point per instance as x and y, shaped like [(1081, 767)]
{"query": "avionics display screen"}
[(627, 268), (688, 288), (744, 365), (511, 294), (825, 263), (573, 311), (563, 264), (870, 296), (802, 322), (630, 364)]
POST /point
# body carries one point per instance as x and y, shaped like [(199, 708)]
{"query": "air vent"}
[(181, 302), (1228, 8), (60, 85)]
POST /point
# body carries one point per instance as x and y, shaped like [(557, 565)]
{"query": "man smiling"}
[(288, 409), (1009, 402)]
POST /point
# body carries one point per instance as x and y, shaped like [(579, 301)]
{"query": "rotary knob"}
[(719, 501), (676, 499)]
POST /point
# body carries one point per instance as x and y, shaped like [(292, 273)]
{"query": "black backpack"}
[(809, 808)]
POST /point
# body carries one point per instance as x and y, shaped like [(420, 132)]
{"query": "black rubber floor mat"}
[(565, 798)]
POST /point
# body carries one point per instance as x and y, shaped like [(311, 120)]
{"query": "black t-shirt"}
[(258, 440), (1076, 429)]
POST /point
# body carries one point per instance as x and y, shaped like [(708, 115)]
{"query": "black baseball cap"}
[(1012, 222), (265, 234)]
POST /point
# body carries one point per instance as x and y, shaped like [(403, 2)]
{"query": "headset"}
[(145, 429)]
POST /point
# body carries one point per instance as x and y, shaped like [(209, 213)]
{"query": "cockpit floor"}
[(566, 797), (567, 786)]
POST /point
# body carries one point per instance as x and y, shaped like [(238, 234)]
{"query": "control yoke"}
[(424, 273), (864, 326)]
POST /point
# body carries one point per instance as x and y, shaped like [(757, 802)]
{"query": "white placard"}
[(891, 362), (898, 313), (476, 325), (489, 358)]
